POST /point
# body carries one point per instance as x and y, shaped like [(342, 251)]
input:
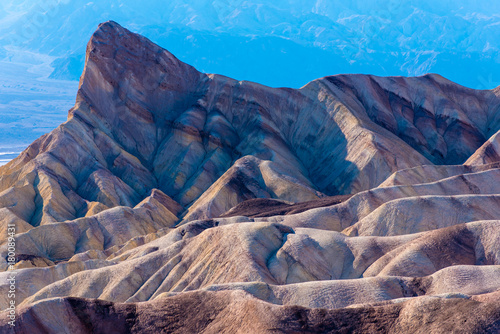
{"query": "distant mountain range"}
[(278, 43), (173, 200)]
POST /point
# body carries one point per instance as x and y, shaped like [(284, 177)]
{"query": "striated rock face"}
[(173, 200), (489, 152)]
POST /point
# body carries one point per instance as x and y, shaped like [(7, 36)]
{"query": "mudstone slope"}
[(174, 200)]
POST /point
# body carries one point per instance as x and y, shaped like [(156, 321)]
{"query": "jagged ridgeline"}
[(353, 204)]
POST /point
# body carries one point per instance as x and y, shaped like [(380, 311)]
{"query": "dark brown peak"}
[(111, 34), (441, 81), (106, 33), (117, 48), (110, 28), (434, 76), (129, 83), (121, 65), (111, 24)]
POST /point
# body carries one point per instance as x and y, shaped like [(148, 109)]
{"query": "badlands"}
[(174, 201)]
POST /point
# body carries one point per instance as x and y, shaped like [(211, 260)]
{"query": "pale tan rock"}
[(10, 219), (112, 227), (432, 173), (274, 254), (19, 202), (333, 294), (32, 262), (361, 205), (418, 214), (31, 280), (488, 153), (472, 244)]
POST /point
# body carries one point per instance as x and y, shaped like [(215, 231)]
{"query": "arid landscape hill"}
[(178, 201)]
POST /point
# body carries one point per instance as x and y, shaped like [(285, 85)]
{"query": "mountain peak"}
[(110, 23), (111, 32), (117, 51), (129, 81)]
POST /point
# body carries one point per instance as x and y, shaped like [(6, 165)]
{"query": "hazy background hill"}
[(304, 40)]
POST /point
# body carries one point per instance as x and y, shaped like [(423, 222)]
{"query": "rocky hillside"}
[(174, 200)]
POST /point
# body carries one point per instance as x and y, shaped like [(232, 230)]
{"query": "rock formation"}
[(173, 200)]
